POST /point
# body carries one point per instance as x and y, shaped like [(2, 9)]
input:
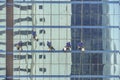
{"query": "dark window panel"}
[(42, 56), (42, 43), (2, 20), (40, 7), (2, 32), (42, 19), (23, 7), (42, 69), (2, 6), (22, 19), (42, 31)]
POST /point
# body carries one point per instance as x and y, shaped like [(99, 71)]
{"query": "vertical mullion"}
[(9, 39)]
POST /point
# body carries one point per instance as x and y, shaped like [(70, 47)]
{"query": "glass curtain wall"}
[(47, 20), (104, 40), (95, 23), (87, 64)]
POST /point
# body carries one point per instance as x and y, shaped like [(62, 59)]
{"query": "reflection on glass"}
[(63, 63)]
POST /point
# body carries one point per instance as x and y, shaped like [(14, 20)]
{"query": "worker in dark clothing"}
[(19, 45), (80, 46), (34, 35), (67, 47), (49, 44)]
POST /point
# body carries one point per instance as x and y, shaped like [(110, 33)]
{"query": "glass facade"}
[(95, 23), (87, 64)]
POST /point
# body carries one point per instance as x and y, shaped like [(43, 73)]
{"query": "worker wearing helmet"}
[(34, 35), (19, 45), (49, 44), (80, 46), (67, 47)]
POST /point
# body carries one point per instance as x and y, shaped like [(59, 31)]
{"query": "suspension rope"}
[(32, 47), (18, 42), (81, 39), (66, 40), (81, 22), (26, 59), (36, 35)]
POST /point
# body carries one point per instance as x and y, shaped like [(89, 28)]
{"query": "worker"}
[(19, 46), (80, 46), (49, 44), (34, 35), (67, 47)]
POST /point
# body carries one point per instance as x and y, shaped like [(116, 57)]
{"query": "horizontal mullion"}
[(66, 2), (70, 2), (62, 27), (62, 76), (60, 51)]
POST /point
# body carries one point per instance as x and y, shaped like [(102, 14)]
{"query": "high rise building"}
[(95, 23)]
